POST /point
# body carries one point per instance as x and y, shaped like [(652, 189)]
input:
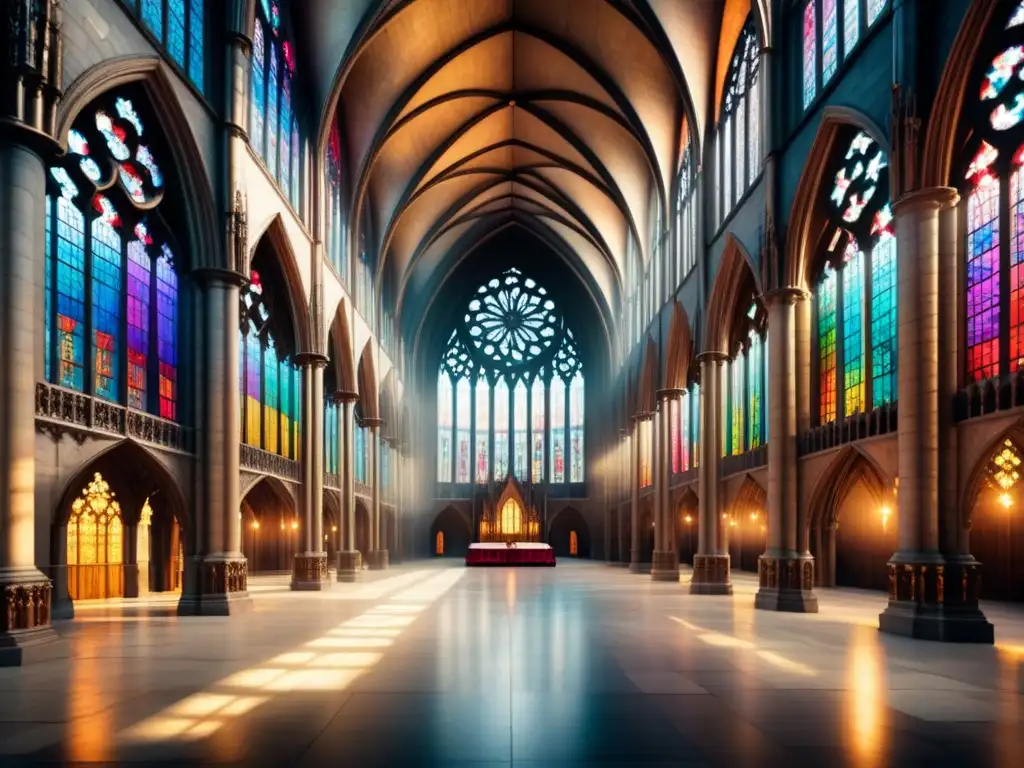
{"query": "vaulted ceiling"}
[(461, 117)]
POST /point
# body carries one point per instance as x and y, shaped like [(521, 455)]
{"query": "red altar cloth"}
[(502, 554)]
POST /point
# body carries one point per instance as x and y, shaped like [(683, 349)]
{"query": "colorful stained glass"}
[(70, 284), (1006, 117), (258, 98), (521, 419), (108, 213), (810, 61), (147, 161), (272, 110), (91, 169), (483, 431), (737, 405), (754, 132), (330, 438), (1017, 18), (557, 440), (176, 31), (360, 454), (463, 409), (645, 435), (139, 269), (1001, 71), (851, 25), (153, 17), (983, 282), (874, 10), (77, 143), (826, 300), (685, 432), (501, 429), (1016, 281), (755, 390), (285, 413), (132, 182), (445, 424), (284, 176), (271, 403), (114, 135), (275, 17), (576, 414), (166, 332), (296, 171), (68, 188), (48, 296), (537, 430), (127, 112), (197, 45), (695, 404), (829, 40), (675, 447), (106, 309), (884, 342), (253, 390), (853, 330)]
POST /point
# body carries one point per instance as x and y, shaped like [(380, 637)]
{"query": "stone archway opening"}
[(687, 528), (569, 534), (363, 530), (449, 534), (995, 523), (271, 532)]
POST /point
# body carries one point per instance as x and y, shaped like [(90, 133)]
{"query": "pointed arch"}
[(735, 270), (205, 245), (388, 405), (749, 496), (367, 373), (849, 467), (977, 478), (805, 226), (277, 238), (645, 399), (341, 349), (942, 131), (680, 349)]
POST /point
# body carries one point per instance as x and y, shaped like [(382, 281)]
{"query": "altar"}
[(510, 553)]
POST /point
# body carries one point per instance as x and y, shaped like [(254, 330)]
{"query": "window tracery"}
[(739, 128), (510, 384), (745, 422), (107, 239), (855, 289), (178, 26), (686, 212)]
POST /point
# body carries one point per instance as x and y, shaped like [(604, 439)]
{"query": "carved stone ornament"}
[(711, 569), (238, 234), (266, 463), (788, 574), (223, 577), (309, 568), (31, 66), (26, 606), (917, 583)]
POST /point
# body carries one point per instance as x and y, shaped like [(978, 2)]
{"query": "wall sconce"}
[(885, 512), (1006, 500), (295, 525), (688, 519), (255, 525), (334, 529)]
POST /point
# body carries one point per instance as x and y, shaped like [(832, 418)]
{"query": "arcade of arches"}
[(493, 276)]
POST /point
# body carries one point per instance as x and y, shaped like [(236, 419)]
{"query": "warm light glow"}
[(334, 529), (688, 519), (255, 525), (865, 707), (1006, 500), (753, 515), (885, 511), (295, 525)]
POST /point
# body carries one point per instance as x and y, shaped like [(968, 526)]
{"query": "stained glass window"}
[(686, 206), (463, 409), (537, 431), (810, 36), (857, 344), (829, 40), (139, 271), (274, 131), (331, 437), (740, 125), (483, 430), (520, 418), (756, 400), (360, 454), (557, 471), (334, 242), (444, 427), (874, 10), (576, 412), (645, 448), (851, 25), (745, 385), (501, 429), (182, 35)]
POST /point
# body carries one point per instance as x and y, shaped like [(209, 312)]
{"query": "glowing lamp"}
[(1006, 500)]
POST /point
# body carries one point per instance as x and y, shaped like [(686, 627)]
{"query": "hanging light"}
[(1006, 500)]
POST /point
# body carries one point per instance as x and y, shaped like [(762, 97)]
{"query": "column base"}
[(918, 605), (61, 605), (26, 635), (786, 584), (641, 568), (710, 575), (309, 572), (665, 566), (349, 565), (378, 561), (220, 587)]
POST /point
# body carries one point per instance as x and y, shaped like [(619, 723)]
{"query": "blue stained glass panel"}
[(106, 309), (257, 102), (176, 30), (884, 352), (829, 40), (272, 121), (296, 168), (851, 25), (153, 17), (70, 295), (286, 123), (139, 269), (197, 47)]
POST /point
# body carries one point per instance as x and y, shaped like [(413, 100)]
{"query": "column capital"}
[(642, 416), (711, 357), (217, 275), (788, 295), (342, 396), (670, 393), (372, 423), (311, 359), (937, 198)]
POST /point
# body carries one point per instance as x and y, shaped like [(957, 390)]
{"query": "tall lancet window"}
[(739, 126), (178, 26), (993, 207), (855, 285), (746, 411), (275, 130), (686, 210), (512, 374), (111, 299)]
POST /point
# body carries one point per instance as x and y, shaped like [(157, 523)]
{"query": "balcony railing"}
[(881, 421), (332, 480), (990, 396), (267, 463), (743, 462), (59, 409)]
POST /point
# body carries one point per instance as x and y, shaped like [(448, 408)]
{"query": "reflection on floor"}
[(433, 665)]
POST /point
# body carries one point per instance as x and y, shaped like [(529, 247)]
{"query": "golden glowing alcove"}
[(95, 544), (574, 544), (509, 518), (439, 543)]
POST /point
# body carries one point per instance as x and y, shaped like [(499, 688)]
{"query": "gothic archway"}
[(271, 531), (451, 531), (569, 534)]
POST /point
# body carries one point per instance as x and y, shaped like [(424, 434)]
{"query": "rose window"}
[(512, 320)]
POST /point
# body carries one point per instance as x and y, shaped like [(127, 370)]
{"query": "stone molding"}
[(26, 606), (224, 577)]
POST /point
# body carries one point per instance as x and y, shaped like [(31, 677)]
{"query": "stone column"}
[(711, 561), (378, 549), (215, 578), (30, 67), (622, 556), (635, 566), (666, 556), (309, 567), (917, 584), (349, 558), (142, 549), (785, 572)]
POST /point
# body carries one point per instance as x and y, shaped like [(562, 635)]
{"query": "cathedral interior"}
[(718, 304)]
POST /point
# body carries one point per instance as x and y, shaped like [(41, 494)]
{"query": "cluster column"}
[(785, 573), (309, 567), (622, 556), (635, 566), (666, 554), (378, 558), (30, 72), (918, 583), (349, 558), (711, 574)]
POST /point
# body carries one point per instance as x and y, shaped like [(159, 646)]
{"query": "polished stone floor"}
[(434, 664)]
